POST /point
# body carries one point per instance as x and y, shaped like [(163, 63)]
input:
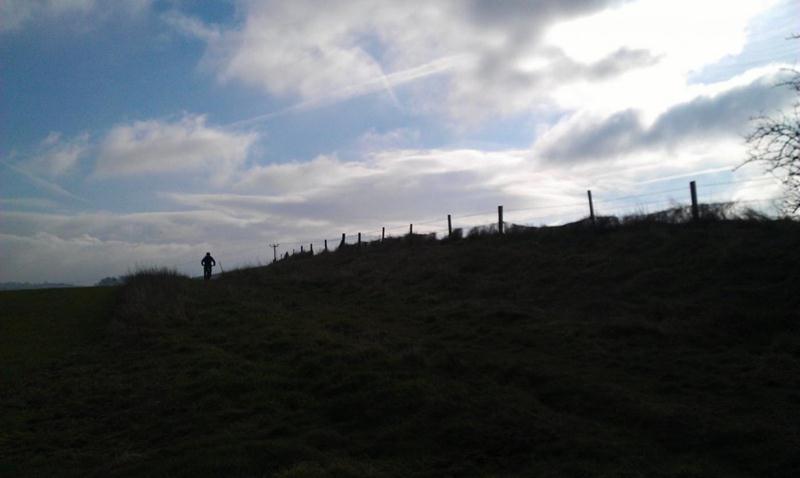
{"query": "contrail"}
[(686, 175), (47, 185), (384, 82)]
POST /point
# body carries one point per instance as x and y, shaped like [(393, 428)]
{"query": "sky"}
[(143, 133)]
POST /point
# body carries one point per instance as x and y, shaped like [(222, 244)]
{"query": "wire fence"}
[(590, 206)]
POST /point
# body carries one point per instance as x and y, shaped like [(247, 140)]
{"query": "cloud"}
[(303, 178), (42, 184), (354, 47), (55, 156), (186, 146), (397, 138), (16, 14), (28, 203), (82, 260), (324, 197), (723, 114), (472, 60)]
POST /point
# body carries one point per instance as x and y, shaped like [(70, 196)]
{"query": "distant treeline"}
[(28, 285), (105, 282)]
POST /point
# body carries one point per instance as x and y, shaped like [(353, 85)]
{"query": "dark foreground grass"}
[(645, 350)]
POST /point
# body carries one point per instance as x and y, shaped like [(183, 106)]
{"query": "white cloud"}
[(352, 47), (685, 35), (56, 156), (185, 146), (397, 138), (304, 177), (722, 111), (488, 58), (320, 199), (628, 112), (84, 259)]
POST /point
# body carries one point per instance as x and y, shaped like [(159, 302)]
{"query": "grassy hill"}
[(643, 350)]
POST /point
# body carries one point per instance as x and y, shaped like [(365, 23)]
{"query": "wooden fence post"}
[(359, 239), (301, 249), (500, 219), (410, 229), (695, 209), (383, 233), (591, 206), (326, 245), (343, 241), (449, 226), (311, 248)]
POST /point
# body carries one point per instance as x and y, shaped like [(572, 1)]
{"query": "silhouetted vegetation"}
[(646, 346), (775, 144), (109, 282)]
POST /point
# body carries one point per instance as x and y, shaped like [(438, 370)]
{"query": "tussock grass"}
[(152, 297), (658, 349)]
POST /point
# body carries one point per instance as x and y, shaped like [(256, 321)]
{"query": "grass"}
[(41, 326), (647, 349)]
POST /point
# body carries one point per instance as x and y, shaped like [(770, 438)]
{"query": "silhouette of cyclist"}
[(208, 262)]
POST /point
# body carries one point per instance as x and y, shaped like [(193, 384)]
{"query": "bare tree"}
[(775, 142)]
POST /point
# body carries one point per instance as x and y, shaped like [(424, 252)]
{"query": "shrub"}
[(151, 296)]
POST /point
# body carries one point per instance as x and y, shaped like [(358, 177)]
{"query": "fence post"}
[(326, 245), (383, 233), (449, 226), (311, 248), (359, 239), (591, 206), (695, 209), (301, 250), (410, 229), (343, 241), (500, 219)]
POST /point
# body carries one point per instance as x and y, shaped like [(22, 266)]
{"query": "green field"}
[(647, 350)]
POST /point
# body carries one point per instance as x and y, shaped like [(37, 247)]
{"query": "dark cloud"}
[(528, 14), (617, 133), (619, 62), (724, 115)]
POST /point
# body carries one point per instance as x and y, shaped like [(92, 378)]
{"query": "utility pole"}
[(274, 252)]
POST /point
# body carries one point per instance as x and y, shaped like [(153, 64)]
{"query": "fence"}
[(586, 206), (590, 208)]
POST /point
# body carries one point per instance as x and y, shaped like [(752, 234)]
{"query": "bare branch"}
[(775, 143)]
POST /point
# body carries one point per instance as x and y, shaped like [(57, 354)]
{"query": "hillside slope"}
[(646, 350)]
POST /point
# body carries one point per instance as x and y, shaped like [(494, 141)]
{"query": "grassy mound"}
[(647, 349)]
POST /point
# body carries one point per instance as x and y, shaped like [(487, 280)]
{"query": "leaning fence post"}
[(591, 206), (695, 209), (449, 226), (500, 219)]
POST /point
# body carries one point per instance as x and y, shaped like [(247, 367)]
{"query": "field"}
[(644, 350)]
